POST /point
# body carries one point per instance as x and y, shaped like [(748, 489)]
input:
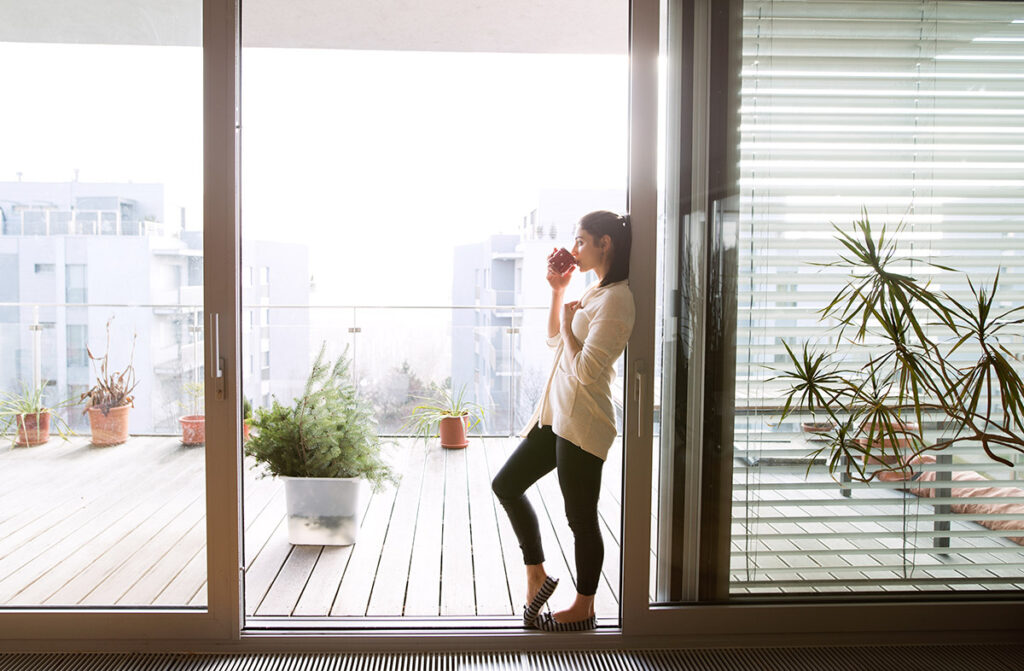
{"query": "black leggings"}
[(579, 476)]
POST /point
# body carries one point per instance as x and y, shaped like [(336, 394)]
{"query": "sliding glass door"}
[(406, 172), (104, 322), (797, 136)]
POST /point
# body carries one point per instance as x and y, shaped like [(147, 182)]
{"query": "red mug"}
[(560, 261)]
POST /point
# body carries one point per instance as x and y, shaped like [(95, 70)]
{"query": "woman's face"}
[(589, 253)]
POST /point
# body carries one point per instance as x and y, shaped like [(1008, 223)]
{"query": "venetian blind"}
[(913, 111)]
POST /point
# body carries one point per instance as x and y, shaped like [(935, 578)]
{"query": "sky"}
[(380, 162)]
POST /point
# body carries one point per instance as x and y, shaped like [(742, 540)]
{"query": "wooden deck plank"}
[(492, 592), (424, 594), (457, 588), (357, 583), (110, 554), (322, 587), (146, 589), (512, 555), (199, 599), (35, 491), (75, 497), (284, 591), (392, 579), (184, 587), (262, 527), (137, 532), (257, 493), (260, 574), (104, 520), (260, 493), (113, 586)]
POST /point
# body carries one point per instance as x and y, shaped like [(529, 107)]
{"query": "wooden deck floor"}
[(124, 526), (439, 544)]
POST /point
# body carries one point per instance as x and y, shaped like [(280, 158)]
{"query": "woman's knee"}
[(503, 489), (583, 523)]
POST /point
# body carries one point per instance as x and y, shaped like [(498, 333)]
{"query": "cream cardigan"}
[(577, 400)]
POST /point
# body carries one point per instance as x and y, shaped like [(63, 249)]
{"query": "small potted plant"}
[(193, 425), (326, 448), (108, 401), (447, 415), (31, 416)]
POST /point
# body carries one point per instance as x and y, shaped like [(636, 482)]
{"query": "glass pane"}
[(101, 253), (405, 177), (910, 118)]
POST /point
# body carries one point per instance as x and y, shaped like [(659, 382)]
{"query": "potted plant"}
[(108, 401), (877, 411), (193, 425), (246, 418), (326, 448), (447, 415), (31, 416)]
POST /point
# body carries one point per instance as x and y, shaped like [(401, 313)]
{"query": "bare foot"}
[(574, 613), (582, 608), (535, 578)]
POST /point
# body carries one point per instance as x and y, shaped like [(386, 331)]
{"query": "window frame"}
[(220, 627)]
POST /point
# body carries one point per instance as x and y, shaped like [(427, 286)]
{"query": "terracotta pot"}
[(111, 428), (816, 427), (193, 429), (245, 430), (898, 454), (33, 429), (453, 431)]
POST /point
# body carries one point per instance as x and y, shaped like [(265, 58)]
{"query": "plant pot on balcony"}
[(109, 428), (323, 511), (193, 430), (817, 428), (889, 454), (453, 431), (33, 429)]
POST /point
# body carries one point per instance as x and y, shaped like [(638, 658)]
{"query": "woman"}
[(573, 427)]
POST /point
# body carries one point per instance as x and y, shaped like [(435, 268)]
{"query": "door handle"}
[(638, 382), (217, 363)]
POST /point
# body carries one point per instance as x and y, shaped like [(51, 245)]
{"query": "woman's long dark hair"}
[(616, 227)]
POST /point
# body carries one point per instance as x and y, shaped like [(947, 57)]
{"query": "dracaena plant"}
[(911, 335)]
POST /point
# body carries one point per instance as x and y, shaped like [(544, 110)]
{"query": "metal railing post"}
[(37, 348)]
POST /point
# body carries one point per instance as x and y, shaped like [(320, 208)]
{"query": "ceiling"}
[(525, 26)]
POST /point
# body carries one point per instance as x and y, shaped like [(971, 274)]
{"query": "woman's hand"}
[(558, 282)]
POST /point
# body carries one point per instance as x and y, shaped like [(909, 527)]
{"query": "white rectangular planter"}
[(323, 511)]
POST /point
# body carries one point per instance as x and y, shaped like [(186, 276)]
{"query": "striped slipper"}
[(532, 610), (547, 622)]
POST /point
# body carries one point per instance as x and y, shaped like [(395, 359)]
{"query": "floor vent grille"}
[(932, 658)]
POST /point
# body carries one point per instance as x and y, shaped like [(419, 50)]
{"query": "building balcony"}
[(125, 525)]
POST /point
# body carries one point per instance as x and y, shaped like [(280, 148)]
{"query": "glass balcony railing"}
[(495, 354)]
